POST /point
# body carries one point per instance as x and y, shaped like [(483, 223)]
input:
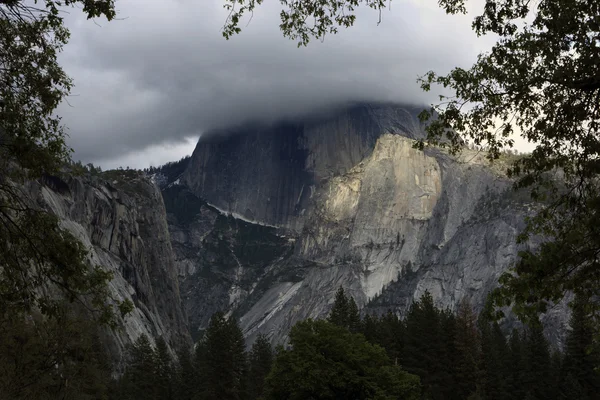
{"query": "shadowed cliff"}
[(267, 174), (119, 216), (349, 202)]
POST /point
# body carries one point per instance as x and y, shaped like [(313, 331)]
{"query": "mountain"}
[(267, 222), (120, 217), (268, 173)]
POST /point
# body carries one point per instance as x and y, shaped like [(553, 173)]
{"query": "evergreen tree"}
[(260, 360), (345, 312), (516, 360), (202, 369), (239, 359), (369, 327), (424, 348), (448, 355), (391, 336), (353, 316), (537, 373), (581, 357), (556, 361), (494, 368), (223, 364), (185, 376), (468, 351), (163, 371), (570, 388), (139, 380), (340, 310)]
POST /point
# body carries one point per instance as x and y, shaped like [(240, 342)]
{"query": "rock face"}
[(222, 260), (123, 223), (342, 200), (268, 174)]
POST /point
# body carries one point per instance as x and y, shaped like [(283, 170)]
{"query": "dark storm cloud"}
[(164, 73)]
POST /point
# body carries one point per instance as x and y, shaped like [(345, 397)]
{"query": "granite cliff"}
[(268, 174), (266, 222), (278, 217), (120, 217)]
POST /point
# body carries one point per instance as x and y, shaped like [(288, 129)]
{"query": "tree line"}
[(429, 354)]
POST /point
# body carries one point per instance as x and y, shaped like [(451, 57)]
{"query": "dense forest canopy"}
[(430, 354)]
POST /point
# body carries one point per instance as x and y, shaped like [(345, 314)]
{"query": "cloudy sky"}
[(148, 84)]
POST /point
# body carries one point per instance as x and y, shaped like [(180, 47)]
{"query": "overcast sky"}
[(147, 85)]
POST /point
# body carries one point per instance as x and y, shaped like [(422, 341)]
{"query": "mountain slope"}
[(120, 217), (358, 207)]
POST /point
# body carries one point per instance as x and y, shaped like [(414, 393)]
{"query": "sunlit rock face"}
[(268, 174), (123, 224), (348, 201), (384, 200)]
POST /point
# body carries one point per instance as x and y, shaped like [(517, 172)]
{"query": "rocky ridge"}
[(266, 223), (349, 202)]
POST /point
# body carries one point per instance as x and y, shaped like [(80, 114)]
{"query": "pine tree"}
[(581, 358), (260, 361), (222, 359), (556, 361), (138, 382), (340, 310), (369, 327), (570, 388), (516, 360), (239, 359), (494, 367), (345, 312), (536, 377), (185, 376), (447, 355), (353, 316), (468, 350), (163, 372), (391, 336), (425, 353), (201, 366)]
